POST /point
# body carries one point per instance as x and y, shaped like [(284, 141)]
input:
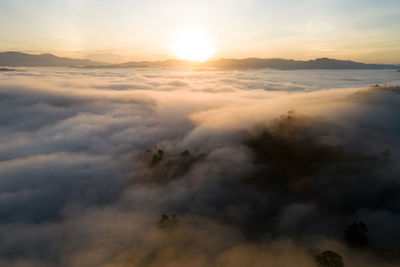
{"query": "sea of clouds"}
[(252, 168)]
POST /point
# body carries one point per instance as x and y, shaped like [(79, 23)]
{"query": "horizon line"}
[(189, 61)]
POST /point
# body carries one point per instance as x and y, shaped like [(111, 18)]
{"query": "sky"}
[(121, 30)]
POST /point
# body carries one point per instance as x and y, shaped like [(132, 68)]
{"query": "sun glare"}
[(193, 45)]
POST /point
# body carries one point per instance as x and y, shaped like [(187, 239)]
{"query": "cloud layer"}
[(261, 168)]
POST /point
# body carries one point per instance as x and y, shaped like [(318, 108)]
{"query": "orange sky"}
[(122, 30)]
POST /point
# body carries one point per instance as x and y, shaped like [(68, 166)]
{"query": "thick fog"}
[(252, 168)]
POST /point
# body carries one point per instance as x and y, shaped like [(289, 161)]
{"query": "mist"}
[(153, 167)]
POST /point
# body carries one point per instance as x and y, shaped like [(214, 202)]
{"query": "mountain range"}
[(18, 59)]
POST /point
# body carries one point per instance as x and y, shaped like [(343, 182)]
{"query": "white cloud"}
[(74, 171)]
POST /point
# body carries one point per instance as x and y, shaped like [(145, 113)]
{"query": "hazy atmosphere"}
[(169, 133), (90, 160), (122, 30)]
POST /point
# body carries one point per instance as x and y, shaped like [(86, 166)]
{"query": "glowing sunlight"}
[(193, 45)]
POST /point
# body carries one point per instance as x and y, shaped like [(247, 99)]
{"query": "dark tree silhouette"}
[(355, 235), (329, 258), (157, 158), (186, 153), (167, 222), (164, 221)]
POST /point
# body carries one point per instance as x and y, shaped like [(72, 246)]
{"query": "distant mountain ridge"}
[(18, 59), (289, 64)]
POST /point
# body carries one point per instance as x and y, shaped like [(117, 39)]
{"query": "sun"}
[(193, 45)]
